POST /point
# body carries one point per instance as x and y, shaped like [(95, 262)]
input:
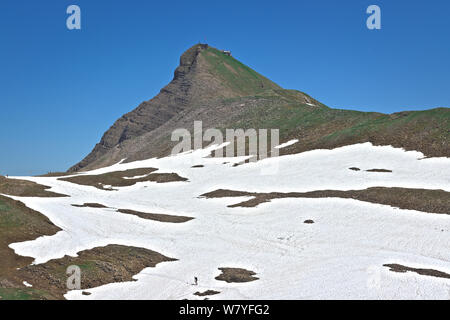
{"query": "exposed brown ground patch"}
[(54, 174), (19, 223), (198, 166), (225, 193), (119, 178), (432, 201), (25, 188), (236, 275), (206, 293), (89, 205), (156, 216), (379, 170), (309, 221), (230, 68), (355, 169), (425, 272), (99, 266)]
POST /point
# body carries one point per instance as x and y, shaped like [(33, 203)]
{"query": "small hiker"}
[(195, 281)]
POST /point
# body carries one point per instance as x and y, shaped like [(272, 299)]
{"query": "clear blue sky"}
[(60, 89)]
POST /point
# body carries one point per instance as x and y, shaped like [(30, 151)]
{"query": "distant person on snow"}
[(195, 281)]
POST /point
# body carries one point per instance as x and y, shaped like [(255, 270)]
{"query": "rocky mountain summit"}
[(214, 87)]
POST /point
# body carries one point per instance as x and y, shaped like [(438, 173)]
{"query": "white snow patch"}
[(286, 144), (340, 256), (136, 177)]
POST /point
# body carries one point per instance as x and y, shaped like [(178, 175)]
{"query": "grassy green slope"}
[(322, 127), (236, 75), (19, 223)]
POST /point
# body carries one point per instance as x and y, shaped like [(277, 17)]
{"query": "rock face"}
[(149, 115), (196, 82), (217, 89)]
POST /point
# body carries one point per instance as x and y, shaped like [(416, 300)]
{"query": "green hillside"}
[(235, 74), (319, 127)]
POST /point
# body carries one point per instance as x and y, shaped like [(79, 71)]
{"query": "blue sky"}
[(61, 89)]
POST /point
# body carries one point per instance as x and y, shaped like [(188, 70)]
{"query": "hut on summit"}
[(227, 52)]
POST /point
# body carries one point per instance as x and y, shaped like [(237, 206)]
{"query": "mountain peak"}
[(211, 86), (188, 59), (210, 73), (204, 76), (189, 56)]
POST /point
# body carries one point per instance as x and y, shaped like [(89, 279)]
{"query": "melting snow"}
[(340, 256), (286, 144)]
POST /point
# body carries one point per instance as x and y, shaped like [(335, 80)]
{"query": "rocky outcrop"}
[(151, 114), (195, 83)]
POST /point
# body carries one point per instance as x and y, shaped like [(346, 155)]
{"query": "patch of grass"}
[(321, 127), (87, 265), (22, 294), (291, 115), (235, 74), (19, 223), (4, 206), (7, 217), (25, 188), (9, 220), (14, 214), (425, 130)]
